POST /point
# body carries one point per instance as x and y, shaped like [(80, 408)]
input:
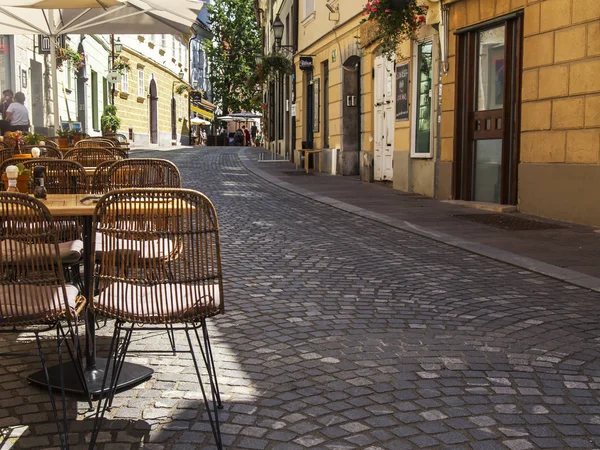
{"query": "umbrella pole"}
[(54, 74)]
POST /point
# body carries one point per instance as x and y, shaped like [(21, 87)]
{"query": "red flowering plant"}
[(67, 55), (397, 21)]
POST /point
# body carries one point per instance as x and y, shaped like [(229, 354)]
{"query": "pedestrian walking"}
[(246, 135), (203, 137), (253, 132)]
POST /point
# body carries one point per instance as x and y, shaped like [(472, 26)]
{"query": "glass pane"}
[(490, 69), (424, 76), (487, 171)]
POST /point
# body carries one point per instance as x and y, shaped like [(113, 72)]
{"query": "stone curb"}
[(533, 265)]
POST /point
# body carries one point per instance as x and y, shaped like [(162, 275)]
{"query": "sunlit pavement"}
[(342, 333)]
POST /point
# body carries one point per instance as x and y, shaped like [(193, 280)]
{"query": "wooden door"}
[(384, 119), (488, 99)]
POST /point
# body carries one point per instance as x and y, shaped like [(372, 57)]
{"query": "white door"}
[(384, 119)]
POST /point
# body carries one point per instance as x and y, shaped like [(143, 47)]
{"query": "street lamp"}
[(278, 28), (115, 51)]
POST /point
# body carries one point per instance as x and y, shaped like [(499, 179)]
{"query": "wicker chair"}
[(49, 141), (34, 297), (94, 143), (62, 176), (6, 153), (143, 172), (90, 157), (146, 292), (46, 151), (100, 178)]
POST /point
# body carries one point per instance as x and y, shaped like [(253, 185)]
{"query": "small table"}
[(71, 205), (307, 153)]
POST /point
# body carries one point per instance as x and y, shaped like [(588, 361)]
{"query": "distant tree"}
[(232, 54)]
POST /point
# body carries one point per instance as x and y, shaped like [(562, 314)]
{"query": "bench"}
[(307, 153)]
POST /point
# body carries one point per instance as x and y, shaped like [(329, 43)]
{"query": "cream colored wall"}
[(134, 110)]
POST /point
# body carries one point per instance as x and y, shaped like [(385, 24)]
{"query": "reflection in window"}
[(490, 71), (424, 76)]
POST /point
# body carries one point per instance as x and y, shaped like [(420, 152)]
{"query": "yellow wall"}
[(560, 83), (134, 110), (342, 43)]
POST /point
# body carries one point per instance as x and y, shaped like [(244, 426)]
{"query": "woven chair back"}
[(62, 176), (90, 157), (94, 142), (143, 172), (32, 291), (46, 151), (100, 178), (49, 142), (139, 278), (6, 153)]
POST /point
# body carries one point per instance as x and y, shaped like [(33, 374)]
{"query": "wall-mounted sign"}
[(333, 55), (113, 77), (306, 63), (293, 110), (44, 43), (316, 105), (402, 92)]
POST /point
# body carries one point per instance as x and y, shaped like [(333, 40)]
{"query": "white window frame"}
[(413, 94), (309, 11), (141, 83), (125, 82)]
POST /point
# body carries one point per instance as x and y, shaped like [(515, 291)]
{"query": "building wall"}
[(134, 109), (560, 110)]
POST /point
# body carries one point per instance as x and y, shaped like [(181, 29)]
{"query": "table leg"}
[(306, 158), (93, 371)]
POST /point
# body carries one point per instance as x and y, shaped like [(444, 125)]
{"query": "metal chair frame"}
[(182, 291), (29, 256)]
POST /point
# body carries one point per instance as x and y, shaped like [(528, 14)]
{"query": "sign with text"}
[(113, 77), (316, 105), (306, 63), (44, 43), (402, 74)]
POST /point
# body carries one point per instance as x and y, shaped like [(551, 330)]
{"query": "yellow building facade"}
[(535, 141), (148, 103)]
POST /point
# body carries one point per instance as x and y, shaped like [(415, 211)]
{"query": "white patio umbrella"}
[(55, 17), (199, 121)]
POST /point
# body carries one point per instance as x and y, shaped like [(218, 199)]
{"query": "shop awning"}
[(202, 112)]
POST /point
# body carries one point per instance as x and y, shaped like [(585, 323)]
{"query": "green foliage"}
[(67, 54), (64, 133), (232, 53), (109, 120), (23, 170), (273, 65), (121, 66), (33, 138), (395, 25)]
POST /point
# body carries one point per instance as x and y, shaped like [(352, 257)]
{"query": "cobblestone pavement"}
[(342, 333)]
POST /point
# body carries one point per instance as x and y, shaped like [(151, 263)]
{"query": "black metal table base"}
[(131, 375)]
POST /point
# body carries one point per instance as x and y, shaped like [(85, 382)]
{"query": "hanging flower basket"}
[(121, 66), (272, 65), (68, 55), (396, 20)]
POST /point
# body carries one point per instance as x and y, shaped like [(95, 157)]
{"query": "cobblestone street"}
[(345, 333)]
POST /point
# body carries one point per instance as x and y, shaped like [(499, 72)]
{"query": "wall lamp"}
[(334, 12), (277, 28)]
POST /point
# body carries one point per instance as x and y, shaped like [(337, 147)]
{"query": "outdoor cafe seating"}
[(151, 258)]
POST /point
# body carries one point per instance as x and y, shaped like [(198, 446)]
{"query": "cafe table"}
[(83, 206)]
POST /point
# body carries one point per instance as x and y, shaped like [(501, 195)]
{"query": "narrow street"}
[(345, 333)]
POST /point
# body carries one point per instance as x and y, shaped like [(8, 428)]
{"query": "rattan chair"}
[(94, 143), (49, 142), (6, 153), (149, 292), (34, 297), (90, 157), (100, 178), (46, 151), (143, 172), (62, 176)]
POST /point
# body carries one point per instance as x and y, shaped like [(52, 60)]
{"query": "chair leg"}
[(214, 423), (63, 432), (116, 357), (171, 335), (211, 360), (77, 358)]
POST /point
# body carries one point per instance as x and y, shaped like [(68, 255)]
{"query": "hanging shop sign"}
[(113, 77), (44, 43), (306, 63)]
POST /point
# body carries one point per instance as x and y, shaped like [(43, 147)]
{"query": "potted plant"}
[(22, 179), (121, 66), (109, 121), (13, 139), (64, 138), (77, 136), (271, 65), (33, 138), (396, 21)]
